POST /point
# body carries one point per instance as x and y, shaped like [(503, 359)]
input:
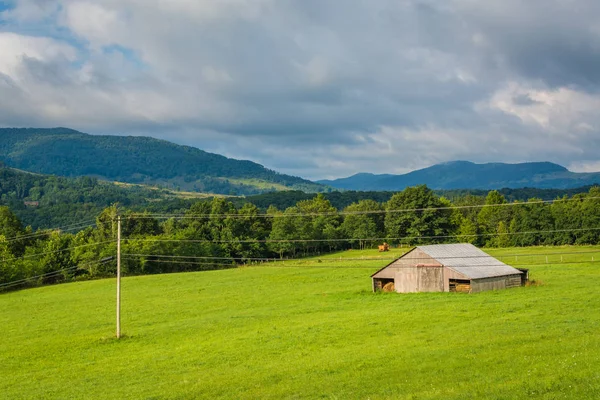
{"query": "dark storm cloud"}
[(555, 41)]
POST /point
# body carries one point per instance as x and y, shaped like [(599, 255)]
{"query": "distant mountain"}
[(137, 159), (468, 175)]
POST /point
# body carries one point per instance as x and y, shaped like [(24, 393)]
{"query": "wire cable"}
[(362, 239), (52, 273), (294, 265), (49, 231), (56, 251), (230, 265), (240, 265), (450, 266), (328, 257), (248, 258), (335, 213)]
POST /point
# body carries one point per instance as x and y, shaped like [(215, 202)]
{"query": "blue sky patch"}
[(6, 5), (127, 53)]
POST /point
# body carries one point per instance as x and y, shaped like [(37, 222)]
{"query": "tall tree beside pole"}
[(118, 276)]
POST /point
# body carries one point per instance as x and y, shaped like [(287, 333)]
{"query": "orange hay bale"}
[(389, 287), (384, 247)]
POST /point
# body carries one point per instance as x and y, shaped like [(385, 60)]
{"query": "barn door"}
[(407, 280), (431, 279)]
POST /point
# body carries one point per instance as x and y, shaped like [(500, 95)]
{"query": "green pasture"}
[(309, 330)]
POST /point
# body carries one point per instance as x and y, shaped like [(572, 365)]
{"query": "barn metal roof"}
[(468, 260)]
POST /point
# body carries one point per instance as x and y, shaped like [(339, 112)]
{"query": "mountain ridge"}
[(145, 160), (139, 159), (468, 175)]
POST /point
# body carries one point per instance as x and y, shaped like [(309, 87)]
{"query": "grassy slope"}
[(258, 183), (166, 193), (279, 332)]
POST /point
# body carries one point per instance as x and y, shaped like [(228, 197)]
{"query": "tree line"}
[(217, 234), (45, 201)]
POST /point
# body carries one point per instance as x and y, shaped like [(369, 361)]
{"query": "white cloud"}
[(216, 75), (585, 166), (16, 47), (561, 111), (99, 25), (314, 87)]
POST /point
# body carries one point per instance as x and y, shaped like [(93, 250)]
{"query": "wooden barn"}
[(447, 268)]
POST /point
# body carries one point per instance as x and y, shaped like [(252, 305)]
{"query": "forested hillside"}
[(137, 159), (215, 234), (45, 201)]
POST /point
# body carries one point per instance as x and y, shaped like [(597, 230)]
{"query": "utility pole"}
[(118, 276)]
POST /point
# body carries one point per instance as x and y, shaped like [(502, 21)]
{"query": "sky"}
[(315, 88)]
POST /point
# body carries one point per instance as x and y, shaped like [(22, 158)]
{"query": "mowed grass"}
[(306, 332)]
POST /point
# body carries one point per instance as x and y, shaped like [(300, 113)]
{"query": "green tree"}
[(426, 220), (317, 222), (363, 220), (282, 231), (56, 256), (106, 223), (8, 271), (491, 215), (530, 224), (565, 213), (589, 218), (502, 238), (468, 231), (10, 228), (247, 232), (138, 225)]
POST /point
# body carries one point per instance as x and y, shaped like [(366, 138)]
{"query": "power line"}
[(292, 264), (50, 231), (328, 257), (186, 262), (222, 264), (362, 239), (46, 275), (55, 251), (200, 257), (335, 213), (448, 266), (52, 273), (243, 259)]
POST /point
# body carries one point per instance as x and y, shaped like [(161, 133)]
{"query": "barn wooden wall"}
[(497, 283), (419, 279)]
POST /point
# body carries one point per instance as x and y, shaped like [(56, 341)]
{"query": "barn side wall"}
[(495, 283)]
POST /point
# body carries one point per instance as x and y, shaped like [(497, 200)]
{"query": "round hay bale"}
[(389, 287)]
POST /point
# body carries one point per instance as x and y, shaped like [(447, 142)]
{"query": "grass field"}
[(306, 332)]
